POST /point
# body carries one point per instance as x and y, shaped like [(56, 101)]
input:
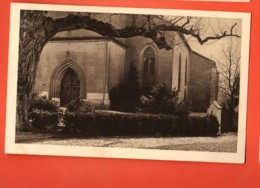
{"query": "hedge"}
[(43, 112), (126, 124), (43, 119)]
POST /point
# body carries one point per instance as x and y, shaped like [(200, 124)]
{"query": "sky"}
[(213, 49)]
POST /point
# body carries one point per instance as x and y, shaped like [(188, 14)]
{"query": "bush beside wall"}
[(165, 100), (127, 124), (43, 112)]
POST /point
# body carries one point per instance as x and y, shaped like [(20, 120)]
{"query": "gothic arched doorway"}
[(70, 87)]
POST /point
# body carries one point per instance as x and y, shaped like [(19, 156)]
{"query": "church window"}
[(179, 73), (149, 66)]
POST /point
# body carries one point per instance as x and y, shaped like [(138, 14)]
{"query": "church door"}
[(70, 87)]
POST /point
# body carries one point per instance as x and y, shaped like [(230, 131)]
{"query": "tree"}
[(229, 81), (36, 29), (126, 96)]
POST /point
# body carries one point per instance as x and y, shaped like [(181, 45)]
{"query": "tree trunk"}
[(35, 32)]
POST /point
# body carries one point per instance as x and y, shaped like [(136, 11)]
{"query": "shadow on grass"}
[(30, 137)]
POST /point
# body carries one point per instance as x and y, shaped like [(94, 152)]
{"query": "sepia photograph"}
[(127, 83)]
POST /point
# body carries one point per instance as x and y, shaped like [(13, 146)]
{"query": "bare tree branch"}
[(149, 28), (229, 70)]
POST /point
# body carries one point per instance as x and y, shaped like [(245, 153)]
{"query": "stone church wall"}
[(163, 59), (180, 75), (116, 65), (89, 55), (201, 82)]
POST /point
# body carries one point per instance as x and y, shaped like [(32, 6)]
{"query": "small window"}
[(185, 94), (186, 71), (179, 73), (149, 66)]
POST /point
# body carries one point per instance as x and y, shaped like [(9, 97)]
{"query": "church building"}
[(84, 64)]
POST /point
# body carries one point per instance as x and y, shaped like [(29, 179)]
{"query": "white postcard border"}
[(13, 148)]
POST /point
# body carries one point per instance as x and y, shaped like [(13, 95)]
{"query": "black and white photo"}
[(127, 83)]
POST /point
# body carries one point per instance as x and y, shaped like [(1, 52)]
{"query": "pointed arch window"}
[(149, 66)]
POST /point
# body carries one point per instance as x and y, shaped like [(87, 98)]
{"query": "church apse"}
[(97, 63), (101, 63)]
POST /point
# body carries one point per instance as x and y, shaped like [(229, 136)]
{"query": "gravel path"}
[(223, 143)]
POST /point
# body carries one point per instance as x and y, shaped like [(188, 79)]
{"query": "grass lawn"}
[(222, 143)]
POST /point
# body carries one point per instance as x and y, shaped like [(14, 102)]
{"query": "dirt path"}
[(223, 143)]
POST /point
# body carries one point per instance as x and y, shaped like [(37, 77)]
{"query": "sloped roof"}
[(210, 61), (185, 41)]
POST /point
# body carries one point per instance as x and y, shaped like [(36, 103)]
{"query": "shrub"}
[(163, 99), (80, 106), (43, 112), (229, 120), (43, 103), (125, 97), (44, 119), (104, 123)]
